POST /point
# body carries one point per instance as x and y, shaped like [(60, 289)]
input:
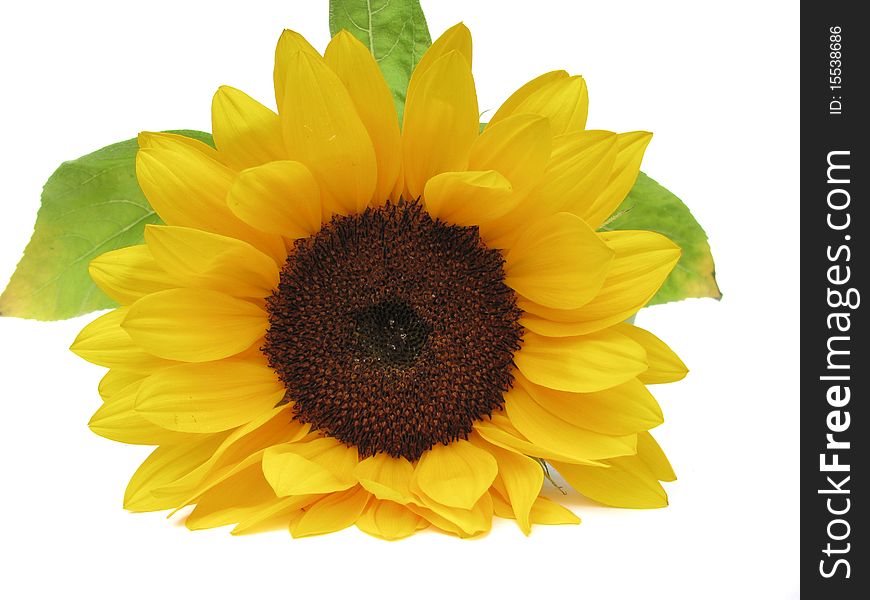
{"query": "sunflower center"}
[(393, 332)]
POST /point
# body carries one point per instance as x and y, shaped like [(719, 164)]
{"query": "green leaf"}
[(395, 32), (89, 206), (650, 206)]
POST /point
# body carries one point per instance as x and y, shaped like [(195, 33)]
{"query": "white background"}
[(717, 85)]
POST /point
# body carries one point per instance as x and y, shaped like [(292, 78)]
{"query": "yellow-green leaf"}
[(652, 207), (89, 206)]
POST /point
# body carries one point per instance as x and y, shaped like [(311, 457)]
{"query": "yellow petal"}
[(558, 261), (211, 261), (517, 147), (500, 507), (281, 197), (455, 39), (332, 513), (509, 107), (289, 44), (360, 74), (562, 100), (586, 363), (389, 521), (455, 475), (209, 397), (386, 477), (116, 380), (621, 410), (441, 122), (522, 478), (188, 188), (231, 501), (642, 263), (627, 483), (104, 342), (468, 198), (276, 426), (171, 141), (117, 420), (129, 273), (589, 173), (184, 187), (180, 488), (276, 514), (163, 466), (246, 133), (516, 442), (316, 467), (664, 365), (654, 457), (547, 512), (557, 435), (630, 148), (459, 521), (194, 325), (576, 172), (323, 131), (398, 189)]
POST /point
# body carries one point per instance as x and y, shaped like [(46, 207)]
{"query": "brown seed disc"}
[(393, 332)]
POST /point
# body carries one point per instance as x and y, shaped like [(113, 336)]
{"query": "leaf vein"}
[(396, 43), (371, 29), (383, 6), (96, 204), (354, 23), (81, 257)]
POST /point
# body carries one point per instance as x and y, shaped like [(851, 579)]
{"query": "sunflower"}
[(347, 323)]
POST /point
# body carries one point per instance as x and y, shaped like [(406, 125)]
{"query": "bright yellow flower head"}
[(344, 322)]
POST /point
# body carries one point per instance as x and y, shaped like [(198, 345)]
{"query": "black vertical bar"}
[(834, 262)]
